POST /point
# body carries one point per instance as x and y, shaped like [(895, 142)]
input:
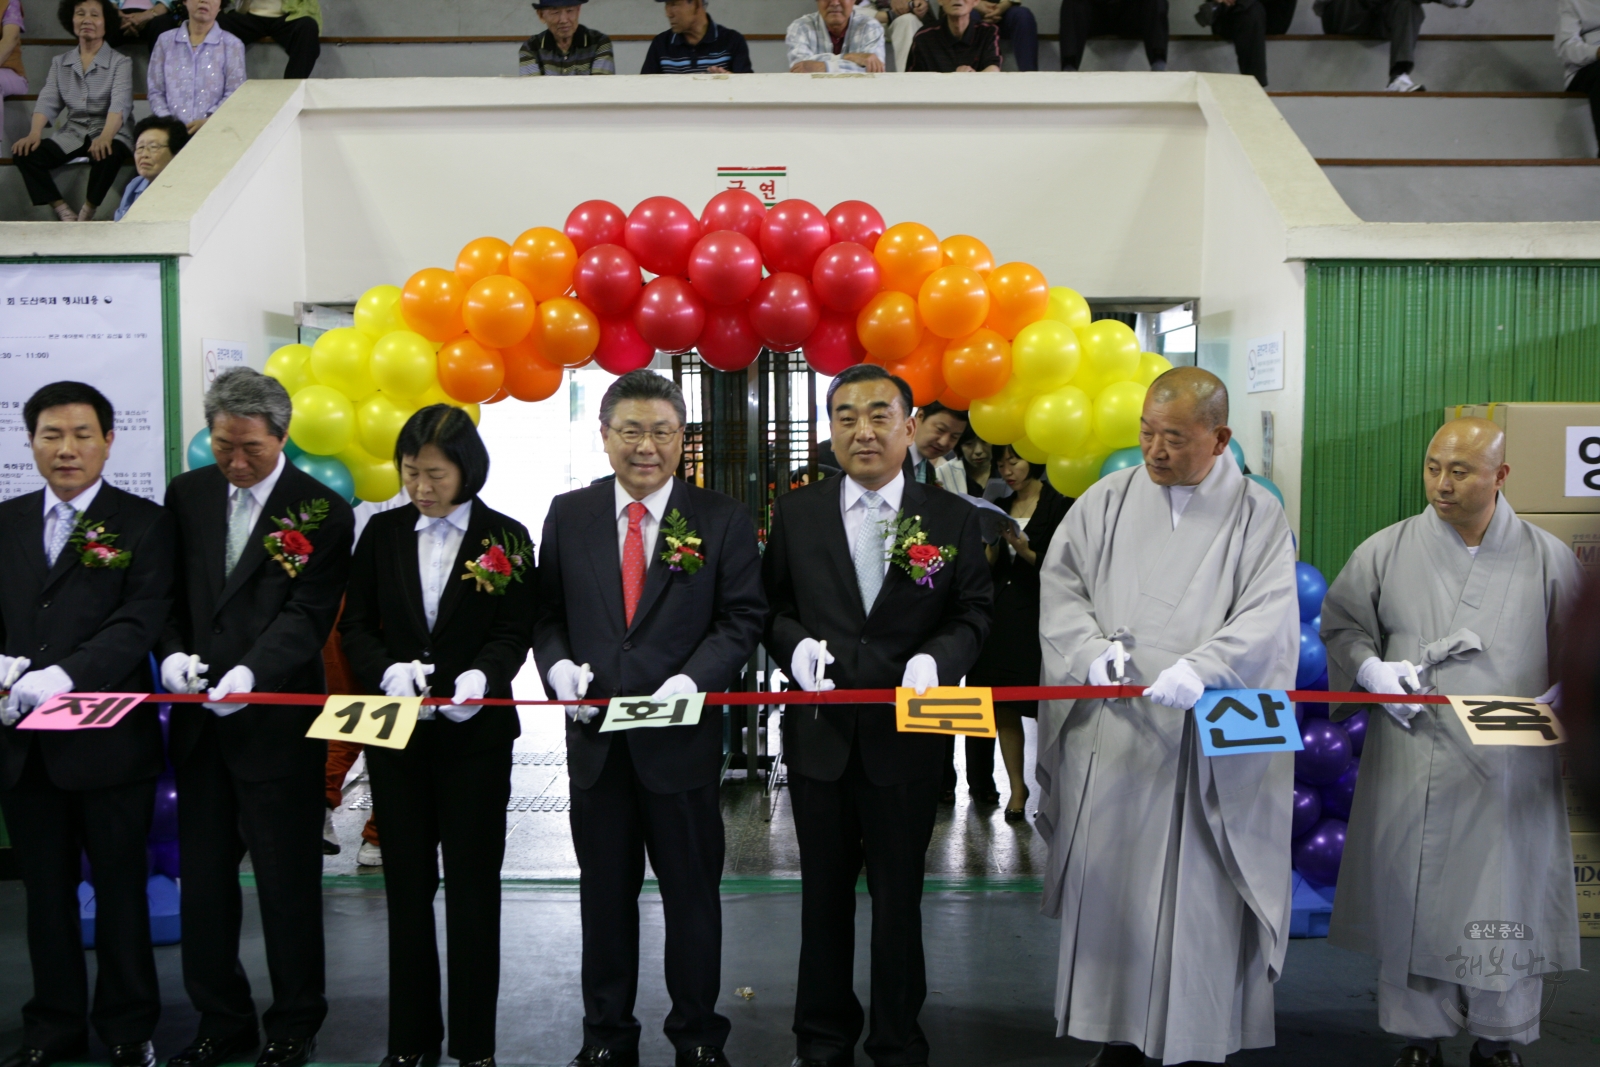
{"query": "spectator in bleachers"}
[(1017, 25), (835, 37), (195, 67), (88, 94), (295, 24), (13, 79), (1247, 23), (146, 22), (904, 19), (1578, 45), (696, 44), (565, 47), (156, 140), (1398, 21), (958, 43), (1143, 19)]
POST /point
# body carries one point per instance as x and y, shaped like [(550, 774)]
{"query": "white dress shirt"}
[(80, 504), (438, 544), (655, 507), (259, 493), (855, 512)]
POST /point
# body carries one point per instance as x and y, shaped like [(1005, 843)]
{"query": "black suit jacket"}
[(704, 625), (258, 616), (384, 623), (97, 624), (810, 579), (1011, 655)]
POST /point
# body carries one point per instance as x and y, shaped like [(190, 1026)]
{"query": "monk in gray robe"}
[(1447, 836), (1169, 869)]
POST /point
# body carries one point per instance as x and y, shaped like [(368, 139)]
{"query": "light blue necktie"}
[(66, 519), (238, 528), (869, 551)]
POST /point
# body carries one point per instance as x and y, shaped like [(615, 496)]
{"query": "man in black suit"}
[(641, 624), (248, 777), (860, 789), (83, 620)]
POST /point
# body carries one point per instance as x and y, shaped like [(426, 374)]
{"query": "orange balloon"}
[(964, 251), (498, 311), (543, 259), (953, 301), (954, 400), (568, 332), (500, 394), (469, 372), (889, 326), (921, 370), (978, 365), (430, 303), (480, 258), (907, 253), (1018, 295), (529, 376)]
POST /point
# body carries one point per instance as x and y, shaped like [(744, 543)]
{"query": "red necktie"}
[(633, 561)]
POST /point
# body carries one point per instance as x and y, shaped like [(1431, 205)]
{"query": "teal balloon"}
[(1267, 485), (1120, 459), (292, 450), (199, 453), (1238, 452), (330, 472)]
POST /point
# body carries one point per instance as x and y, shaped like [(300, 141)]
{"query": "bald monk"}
[(1444, 833), (1168, 869)]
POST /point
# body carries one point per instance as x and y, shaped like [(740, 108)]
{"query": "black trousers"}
[(457, 804), (1083, 19), (838, 825), (37, 167), (50, 829), (615, 824), (1587, 81), (279, 823), (1247, 23), (301, 37), (1400, 21)]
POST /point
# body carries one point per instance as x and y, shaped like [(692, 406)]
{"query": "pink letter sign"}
[(81, 711)]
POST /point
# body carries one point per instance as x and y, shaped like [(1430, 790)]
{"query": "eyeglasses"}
[(633, 435), (149, 149)]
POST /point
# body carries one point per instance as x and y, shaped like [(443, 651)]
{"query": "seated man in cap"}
[(695, 44), (564, 47)]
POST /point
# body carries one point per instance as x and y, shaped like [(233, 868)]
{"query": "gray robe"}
[(1168, 869), (1444, 832)]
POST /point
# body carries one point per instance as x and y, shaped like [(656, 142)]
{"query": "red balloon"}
[(846, 277), (669, 315), (607, 280), (728, 341), (725, 267), (833, 345), (621, 349), (734, 209), (793, 235), (595, 222), (856, 221), (784, 311), (661, 232)]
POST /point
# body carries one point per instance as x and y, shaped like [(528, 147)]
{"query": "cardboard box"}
[(1545, 478), (1578, 531), (1586, 871), (1588, 911), (1582, 818)]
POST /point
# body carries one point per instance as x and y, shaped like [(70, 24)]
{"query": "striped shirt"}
[(78, 100), (808, 41), (671, 53), (590, 54)]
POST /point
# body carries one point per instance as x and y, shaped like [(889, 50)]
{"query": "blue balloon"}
[(199, 453), (1326, 755), (1312, 587), (1313, 658), (1340, 794), (1121, 459), (331, 473), (1307, 808), (1238, 452), (1317, 622), (1267, 485), (292, 450), (1317, 854)]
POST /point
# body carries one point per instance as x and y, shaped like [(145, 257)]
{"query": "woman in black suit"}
[(441, 594), (1011, 655)]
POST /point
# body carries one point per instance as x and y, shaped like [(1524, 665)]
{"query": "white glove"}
[(1107, 668), (183, 673), (470, 685), (808, 663), (33, 689), (775, 683), (571, 682), (239, 680), (1177, 687), (406, 679), (676, 686), (922, 673), (11, 668), (1551, 696), (1376, 676)]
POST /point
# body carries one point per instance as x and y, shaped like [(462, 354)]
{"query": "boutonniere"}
[(912, 553), (97, 549), (683, 545), (288, 544), (502, 563)]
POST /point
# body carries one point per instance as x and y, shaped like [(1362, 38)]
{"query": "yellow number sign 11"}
[(367, 720)]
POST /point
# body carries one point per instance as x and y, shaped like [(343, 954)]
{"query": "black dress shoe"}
[(214, 1051), (289, 1052), (1117, 1056), (38, 1057), (1504, 1058), (991, 797), (600, 1056), (134, 1054), (489, 1062), (845, 1060), (419, 1060), (701, 1056), (1413, 1056)]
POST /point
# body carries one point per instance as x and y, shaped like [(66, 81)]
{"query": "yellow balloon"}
[(1151, 367), (1060, 421), (404, 364), (378, 312), (291, 366), (342, 359), (1045, 355), (324, 420), (436, 395), (1116, 414), (1110, 354), (474, 411), (1065, 305), (379, 419), (1029, 451), (1073, 475), (998, 419), (376, 479)]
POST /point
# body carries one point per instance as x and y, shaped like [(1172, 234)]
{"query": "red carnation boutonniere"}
[(503, 562), (683, 545), (97, 549), (912, 553), (288, 544)]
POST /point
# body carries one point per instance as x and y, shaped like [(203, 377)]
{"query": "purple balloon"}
[(164, 858), (1307, 808), (1337, 797), (1326, 755), (164, 822), (1317, 854), (1356, 727)]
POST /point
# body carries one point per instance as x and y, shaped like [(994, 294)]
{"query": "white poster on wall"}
[(1264, 364), (98, 323)]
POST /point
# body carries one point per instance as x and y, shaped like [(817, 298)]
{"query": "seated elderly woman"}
[(156, 140), (88, 95), (835, 38), (13, 79)]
